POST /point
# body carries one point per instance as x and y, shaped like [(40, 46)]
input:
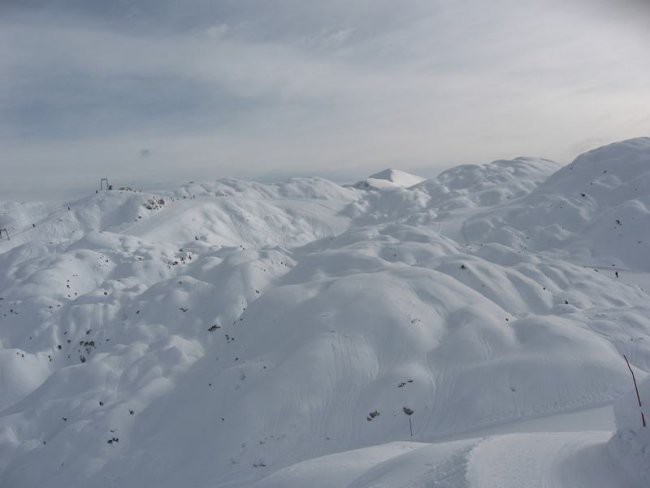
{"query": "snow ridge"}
[(230, 333)]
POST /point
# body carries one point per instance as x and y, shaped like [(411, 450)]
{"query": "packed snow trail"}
[(543, 460)]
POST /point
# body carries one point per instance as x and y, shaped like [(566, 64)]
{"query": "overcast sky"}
[(164, 91)]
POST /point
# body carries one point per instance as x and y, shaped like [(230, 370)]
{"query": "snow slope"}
[(507, 461), (597, 207), (231, 333), (551, 452)]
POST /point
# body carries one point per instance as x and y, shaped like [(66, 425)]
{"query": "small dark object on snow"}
[(372, 415), (407, 411), (131, 412)]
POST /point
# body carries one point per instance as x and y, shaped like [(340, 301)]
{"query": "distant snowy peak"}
[(398, 177), (389, 178)]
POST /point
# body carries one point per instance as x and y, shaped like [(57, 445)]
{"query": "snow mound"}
[(389, 178), (489, 184)]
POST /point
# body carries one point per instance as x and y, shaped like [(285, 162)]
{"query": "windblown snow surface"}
[(288, 335)]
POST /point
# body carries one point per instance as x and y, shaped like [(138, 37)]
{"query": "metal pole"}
[(636, 388)]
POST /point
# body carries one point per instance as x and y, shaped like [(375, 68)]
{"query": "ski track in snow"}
[(234, 333)]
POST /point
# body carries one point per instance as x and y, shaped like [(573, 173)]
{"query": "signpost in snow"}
[(409, 412)]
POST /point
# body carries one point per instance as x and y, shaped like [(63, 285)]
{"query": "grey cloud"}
[(76, 105), (260, 20)]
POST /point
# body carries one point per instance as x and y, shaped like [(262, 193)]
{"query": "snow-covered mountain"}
[(389, 178), (234, 333)]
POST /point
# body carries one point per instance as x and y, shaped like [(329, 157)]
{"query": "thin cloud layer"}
[(340, 89)]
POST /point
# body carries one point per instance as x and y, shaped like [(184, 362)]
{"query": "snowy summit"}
[(389, 178), (463, 331)]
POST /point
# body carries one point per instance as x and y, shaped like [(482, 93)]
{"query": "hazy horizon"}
[(162, 92)]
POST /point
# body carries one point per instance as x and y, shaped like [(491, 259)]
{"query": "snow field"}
[(231, 333)]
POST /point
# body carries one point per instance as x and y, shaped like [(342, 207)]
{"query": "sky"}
[(159, 92)]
